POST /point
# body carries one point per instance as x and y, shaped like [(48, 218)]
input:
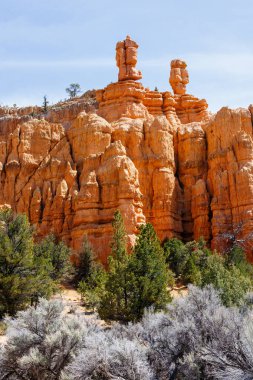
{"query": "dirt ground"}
[(180, 291), (3, 339)]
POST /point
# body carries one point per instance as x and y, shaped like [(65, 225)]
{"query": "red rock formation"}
[(126, 58), (157, 157), (149, 144), (188, 108), (122, 99), (230, 153), (153, 101), (179, 77), (192, 167)]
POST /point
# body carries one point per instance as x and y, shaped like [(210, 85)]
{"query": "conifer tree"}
[(16, 262), (114, 304), (44, 285), (28, 271), (149, 273), (57, 253), (90, 276), (45, 104), (84, 262), (51, 266)]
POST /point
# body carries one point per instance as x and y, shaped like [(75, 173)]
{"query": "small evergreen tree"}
[(150, 276), (237, 257), (27, 271), (58, 255), (17, 282), (90, 276), (137, 281), (45, 104), (44, 285), (174, 250), (85, 262), (93, 289), (114, 304), (73, 90), (231, 284), (193, 262), (188, 260)]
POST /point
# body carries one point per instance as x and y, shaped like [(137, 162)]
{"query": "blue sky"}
[(47, 44)]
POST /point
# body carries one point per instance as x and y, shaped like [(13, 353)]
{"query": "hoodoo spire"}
[(126, 58)]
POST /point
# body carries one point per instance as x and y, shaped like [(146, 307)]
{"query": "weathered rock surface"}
[(157, 157), (230, 177), (188, 108), (126, 59), (192, 173)]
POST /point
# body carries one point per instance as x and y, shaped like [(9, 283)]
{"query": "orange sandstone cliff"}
[(157, 157)]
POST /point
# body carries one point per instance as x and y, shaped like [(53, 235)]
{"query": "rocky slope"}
[(158, 157)]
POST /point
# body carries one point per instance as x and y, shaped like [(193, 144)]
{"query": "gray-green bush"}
[(196, 338)]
